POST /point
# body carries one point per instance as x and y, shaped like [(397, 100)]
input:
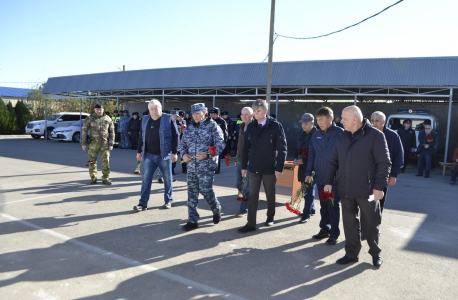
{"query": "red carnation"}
[(228, 160), (213, 150), (331, 195), (429, 138), (182, 126)]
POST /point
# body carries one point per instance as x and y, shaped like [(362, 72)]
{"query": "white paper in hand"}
[(371, 198)]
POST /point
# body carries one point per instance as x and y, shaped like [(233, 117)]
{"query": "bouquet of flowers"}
[(429, 138), (230, 159), (293, 205), (211, 150), (325, 196), (303, 153), (243, 198), (137, 169)]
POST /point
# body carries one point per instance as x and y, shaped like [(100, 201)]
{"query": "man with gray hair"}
[(158, 148), (378, 120), (361, 165), (265, 149), (243, 189), (202, 143)]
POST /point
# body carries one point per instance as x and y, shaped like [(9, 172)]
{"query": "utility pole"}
[(271, 49)]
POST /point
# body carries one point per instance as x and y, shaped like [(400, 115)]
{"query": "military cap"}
[(181, 113), (146, 112), (98, 106), (198, 107), (115, 111), (214, 110), (125, 111), (135, 113), (225, 113), (273, 116), (188, 112), (174, 112), (407, 121)]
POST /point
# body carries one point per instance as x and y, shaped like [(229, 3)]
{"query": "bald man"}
[(361, 165)]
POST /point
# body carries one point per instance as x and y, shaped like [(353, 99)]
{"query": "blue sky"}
[(41, 39)]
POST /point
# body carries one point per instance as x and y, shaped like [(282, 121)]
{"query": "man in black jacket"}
[(408, 140), (361, 164), (265, 149), (215, 115), (378, 120), (134, 130)]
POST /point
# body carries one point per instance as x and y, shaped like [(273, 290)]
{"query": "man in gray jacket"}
[(361, 165)]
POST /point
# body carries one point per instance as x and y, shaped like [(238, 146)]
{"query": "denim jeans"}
[(330, 215), (423, 158), (238, 185), (309, 204), (151, 163), (454, 174)]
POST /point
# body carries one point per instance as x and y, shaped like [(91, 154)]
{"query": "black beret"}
[(98, 106)]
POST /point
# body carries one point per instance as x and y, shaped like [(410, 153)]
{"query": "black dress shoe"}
[(321, 235), (246, 229), (216, 218), (160, 180), (377, 261), (312, 212), (403, 171), (418, 175), (345, 260), (426, 176), (332, 240), (189, 226)]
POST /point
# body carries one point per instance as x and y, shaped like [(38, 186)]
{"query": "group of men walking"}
[(356, 164)]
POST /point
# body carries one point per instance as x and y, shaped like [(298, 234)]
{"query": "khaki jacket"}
[(100, 128)]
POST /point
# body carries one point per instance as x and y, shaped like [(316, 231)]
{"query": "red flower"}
[(300, 151), (182, 126), (331, 195), (213, 150), (228, 160), (429, 138)]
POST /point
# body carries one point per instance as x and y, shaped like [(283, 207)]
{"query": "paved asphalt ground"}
[(62, 238)]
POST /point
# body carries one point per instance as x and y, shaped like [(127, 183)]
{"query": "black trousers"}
[(134, 135), (406, 156), (269, 181), (357, 213), (382, 201)]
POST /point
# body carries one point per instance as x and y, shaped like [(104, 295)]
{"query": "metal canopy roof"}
[(13, 92), (427, 72)]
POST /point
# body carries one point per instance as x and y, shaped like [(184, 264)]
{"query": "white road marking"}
[(133, 263), (33, 198)]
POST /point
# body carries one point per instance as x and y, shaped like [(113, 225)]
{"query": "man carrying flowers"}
[(202, 143), (320, 151), (300, 159)]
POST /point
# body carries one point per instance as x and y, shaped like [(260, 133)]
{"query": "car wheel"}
[(36, 136), (76, 137)]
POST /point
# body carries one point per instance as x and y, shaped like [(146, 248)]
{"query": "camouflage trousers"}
[(201, 183), (93, 152)]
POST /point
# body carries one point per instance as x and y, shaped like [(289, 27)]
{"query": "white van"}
[(394, 121)]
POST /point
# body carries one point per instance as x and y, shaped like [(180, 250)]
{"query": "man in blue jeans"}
[(320, 151), (247, 117), (158, 148), (427, 141), (300, 159)]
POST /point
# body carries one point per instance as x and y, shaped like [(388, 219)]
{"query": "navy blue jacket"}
[(303, 142), (360, 162), (422, 140), (396, 151), (408, 138), (265, 147), (320, 152)]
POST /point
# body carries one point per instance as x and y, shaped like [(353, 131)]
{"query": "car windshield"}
[(78, 123), (396, 123), (52, 117)]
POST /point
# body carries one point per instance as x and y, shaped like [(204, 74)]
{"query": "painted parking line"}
[(52, 195), (130, 262)]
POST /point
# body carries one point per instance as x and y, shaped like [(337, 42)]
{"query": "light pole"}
[(271, 49)]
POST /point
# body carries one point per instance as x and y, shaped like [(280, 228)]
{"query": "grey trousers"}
[(269, 181), (357, 213)]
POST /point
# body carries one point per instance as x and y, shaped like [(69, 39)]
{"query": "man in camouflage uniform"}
[(102, 137), (201, 134)]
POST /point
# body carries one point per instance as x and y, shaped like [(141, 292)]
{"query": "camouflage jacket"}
[(198, 138), (101, 129)]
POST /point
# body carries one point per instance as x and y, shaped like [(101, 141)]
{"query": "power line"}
[(328, 34)]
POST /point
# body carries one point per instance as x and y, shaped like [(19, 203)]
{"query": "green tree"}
[(4, 116), (23, 116), (12, 120)]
